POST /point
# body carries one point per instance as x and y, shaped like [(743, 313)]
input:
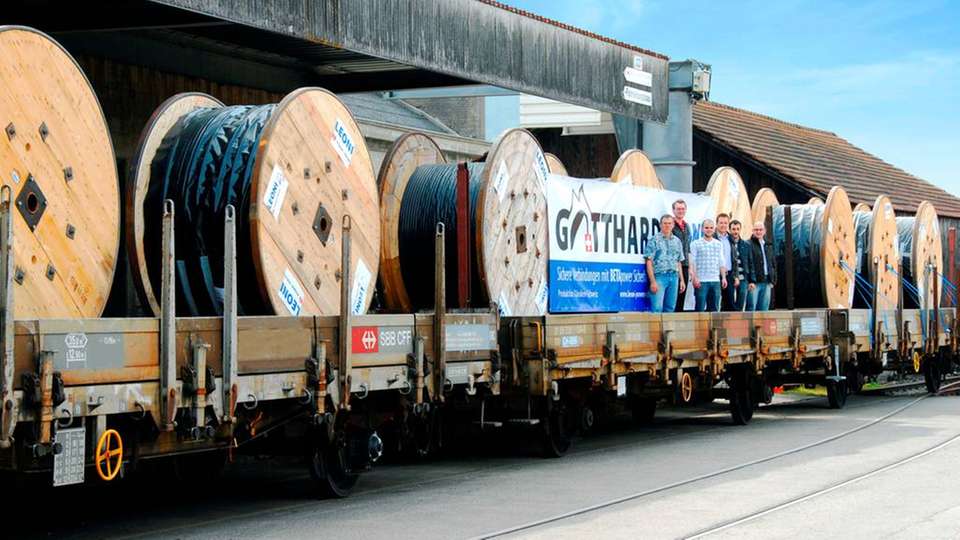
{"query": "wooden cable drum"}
[(635, 168), (57, 158), (765, 198), (554, 165), (292, 170), (876, 238), (729, 194), (815, 201), (920, 246), (861, 207), (824, 251), (508, 224)]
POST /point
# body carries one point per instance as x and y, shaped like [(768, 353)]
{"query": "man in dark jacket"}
[(731, 261), (763, 277), (682, 231), (744, 266)]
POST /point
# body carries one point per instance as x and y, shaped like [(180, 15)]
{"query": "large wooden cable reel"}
[(510, 241), (311, 169), (160, 123), (921, 246), (765, 198), (729, 194), (555, 165), (883, 247), (401, 161), (634, 167), (512, 225), (824, 251), (837, 250), (57, 158)]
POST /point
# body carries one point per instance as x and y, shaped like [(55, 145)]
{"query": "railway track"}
[(947, 389), (905, 386)]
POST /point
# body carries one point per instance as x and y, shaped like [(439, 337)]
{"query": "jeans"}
[(666, 296), (708, 296), (759, 298), (741, 295), (728, 295)]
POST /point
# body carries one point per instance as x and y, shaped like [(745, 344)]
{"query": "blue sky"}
[(883, 74)]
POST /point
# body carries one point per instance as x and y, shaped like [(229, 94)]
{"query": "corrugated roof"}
[(374, 107), (818, 159)]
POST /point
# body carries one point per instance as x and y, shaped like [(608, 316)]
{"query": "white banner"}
[(598, 235)]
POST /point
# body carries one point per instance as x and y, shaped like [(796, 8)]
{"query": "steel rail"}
[(816, 493), (695, 479)]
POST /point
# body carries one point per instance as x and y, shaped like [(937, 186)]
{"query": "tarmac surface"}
[(882, 467)]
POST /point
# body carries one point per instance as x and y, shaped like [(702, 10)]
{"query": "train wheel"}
[(330, 467), (200, 467), (741, 406), (855, 379), (837, 394), (423, 428), (643, 410), (556, 430), (741, 399), (932, 374)]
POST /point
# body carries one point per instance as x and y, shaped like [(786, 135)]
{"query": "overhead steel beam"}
[(473, 90), (472, 40), (280, 76)]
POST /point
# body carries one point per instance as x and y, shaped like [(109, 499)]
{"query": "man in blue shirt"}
[(664, 273)]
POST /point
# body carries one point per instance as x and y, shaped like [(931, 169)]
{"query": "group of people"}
[(726, 270)]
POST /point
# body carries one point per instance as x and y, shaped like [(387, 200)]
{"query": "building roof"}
[(375, 108), (817, 159), (571, 28)]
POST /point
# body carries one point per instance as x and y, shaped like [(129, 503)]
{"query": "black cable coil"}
[(204, 164), (861, 225), (429, 198), (905, 238), (806, 229)]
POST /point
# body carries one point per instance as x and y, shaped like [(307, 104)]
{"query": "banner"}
[(598, 235)]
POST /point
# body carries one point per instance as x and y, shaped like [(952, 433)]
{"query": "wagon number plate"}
[(68, 465)]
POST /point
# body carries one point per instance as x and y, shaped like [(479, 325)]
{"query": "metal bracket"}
[(8, 416), (611, 354), (346, 318), (45, 369), (439, 313), (322, 224), (321, 351), (666, 354), (168, 323), (418, 366), (31, 202), (463, 236), (230, 388), (200, 349)]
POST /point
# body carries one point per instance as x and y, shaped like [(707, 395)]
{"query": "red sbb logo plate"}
[(365, 339)]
